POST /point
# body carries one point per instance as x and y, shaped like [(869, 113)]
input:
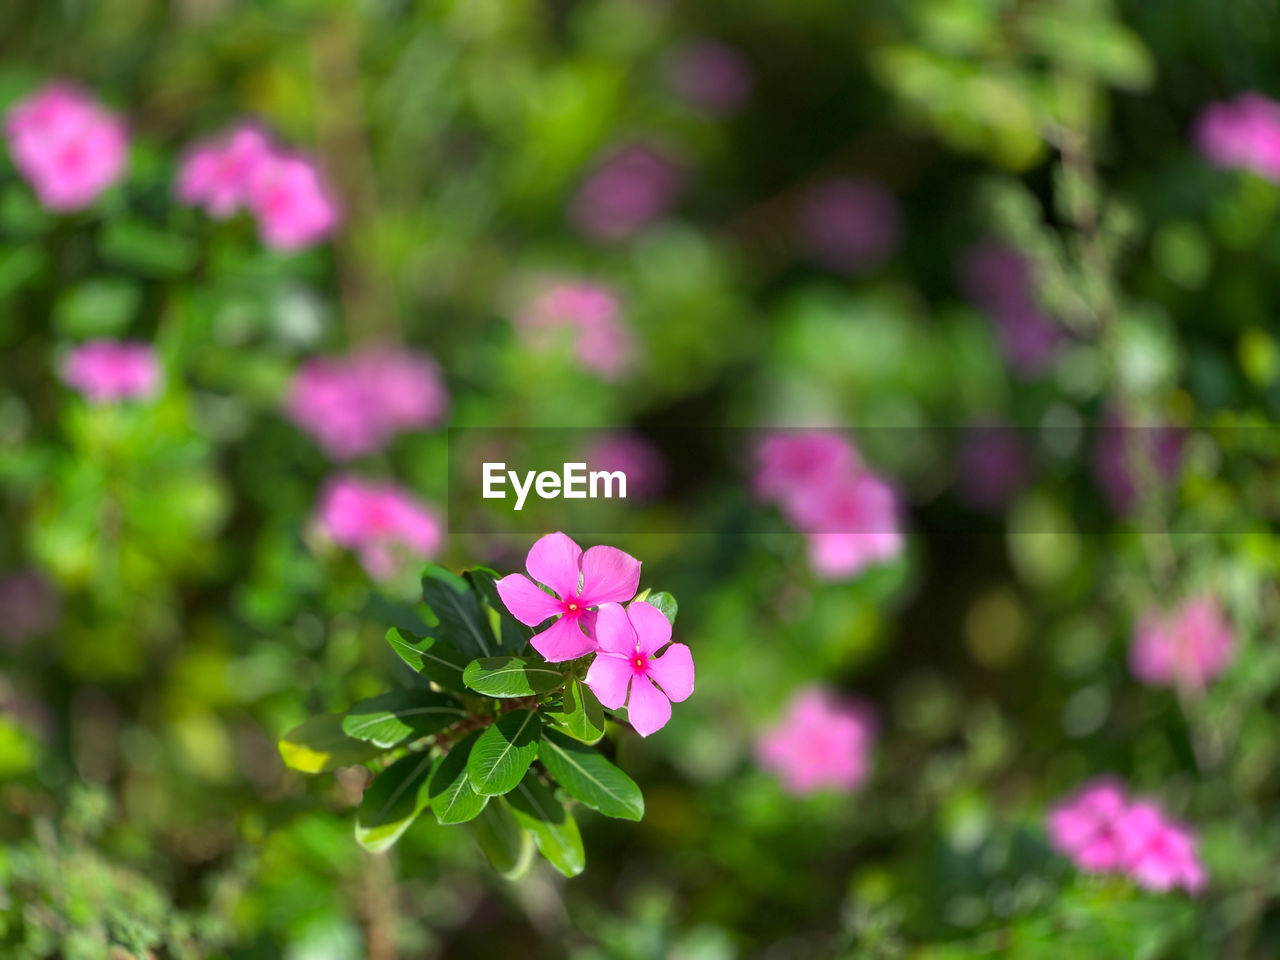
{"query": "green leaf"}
[(97, 308), (513, 636), (452, 798), (392, 718), (511, 677), (137, 245), (320, 745), (503, 753), (393, 801), (462, 622), (581, 715), (505, 842), (666, 605), (439, 660), (553, 827), (590, 778)]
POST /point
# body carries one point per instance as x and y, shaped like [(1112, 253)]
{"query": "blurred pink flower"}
[(66, 145), (217, 173), (355, 405), (581, 582), (1242, 134), (1000, 282), (28, 606), (382, 523), (629, 641), (1117, 453), (711, 76), (1186, 648), (108, 370), (591, 316), (633, 455), (630, 188), (822, 741), (850, 225), (1101, 831), (291, 201), (993, 466), (849, 515)]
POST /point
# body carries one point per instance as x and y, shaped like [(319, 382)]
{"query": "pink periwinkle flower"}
[(631, 188), (822, 741), (633, 455), (590, 315), (292, 202), (629, 640), (711, 76), (66, 145), (29, 606), (382, 523), (1242, 134), (850, 225), (581, 581), (1000, 282), (1123, 451), (849, 515), (217, 174), (105, 371), (1186, 648), (355, 405), (993, 465), (1102, 831)]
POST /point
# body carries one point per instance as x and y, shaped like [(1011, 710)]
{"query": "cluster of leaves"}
[(465, 743)]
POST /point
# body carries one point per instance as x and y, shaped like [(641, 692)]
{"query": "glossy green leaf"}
[(392, 718), (437, 659), (666, 604), (590, 778), (452, 798), (393, 801), (513, 636), (505, 843), (504, 751), (320, 745), (553, 828), (580, 715), (462, 621), (511, 677)]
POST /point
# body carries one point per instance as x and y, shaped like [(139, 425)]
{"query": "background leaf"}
[(505, 843), (393, 801), (553, 828), (320, 745)]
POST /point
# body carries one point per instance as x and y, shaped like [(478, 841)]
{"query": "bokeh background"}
[(1007, 222)]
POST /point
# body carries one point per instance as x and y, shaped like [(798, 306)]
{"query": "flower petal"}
[(608, 575), (526, 602), (556, 561), (648, 710), (613, 630), (608, 677), (673, 671), (563, 640), (653, 630)]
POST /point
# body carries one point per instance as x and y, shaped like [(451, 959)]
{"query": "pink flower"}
[(1085, 827), (632, 187), (580, 580), (630, 453), (822, 741), (993, 466), (1158, 853), (850, 225), (217, 174), (383, 524), (1101, 831), (628, 657), (66, 145), (1242, 134), (711, 76), (1000, 282), (591, 316), (1122, 448), (788, 464), (1187, 648), (109, 370), (291, 201), (355, 405)]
